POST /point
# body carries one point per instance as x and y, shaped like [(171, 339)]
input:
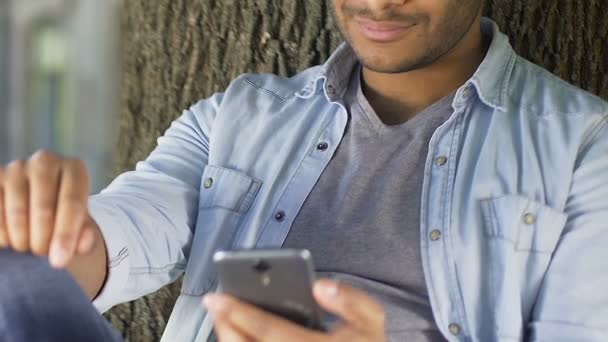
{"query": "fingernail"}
[(328, 289), (211, 301), (59, 257), (86, 243)]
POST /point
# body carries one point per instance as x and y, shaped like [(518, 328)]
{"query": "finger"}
[(227, 333), (72, 206), (43, 172), (3, 232), (16, 198), (255, 323), (355, 307)]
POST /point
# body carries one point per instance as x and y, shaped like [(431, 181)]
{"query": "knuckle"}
[(73, 202), (45, 212), (66, 240), (17, 213), (75, 163), (15, 167), (77, 168), (44, 157)]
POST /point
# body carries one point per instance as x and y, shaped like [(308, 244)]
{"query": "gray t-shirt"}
[(362, 219)]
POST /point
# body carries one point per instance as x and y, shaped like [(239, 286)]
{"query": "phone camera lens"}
[(261, 266)]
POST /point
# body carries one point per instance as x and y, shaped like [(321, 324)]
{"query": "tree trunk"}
[(176, 52)]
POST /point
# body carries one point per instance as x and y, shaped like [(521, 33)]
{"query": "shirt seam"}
[(263, 89), (117, 260), (155, 270), (566, 323), (596, 132)]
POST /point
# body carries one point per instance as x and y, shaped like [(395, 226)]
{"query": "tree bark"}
[(176, 52)]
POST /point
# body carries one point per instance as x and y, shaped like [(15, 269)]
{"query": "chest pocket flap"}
[(227, 189), (225, 198), (528, 225)]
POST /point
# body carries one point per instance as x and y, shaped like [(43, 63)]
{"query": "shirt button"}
[(529, 219), (454, 329), (208, 183), (322, 146), (279, 216), (441, 160), (435, 235), (331, 90), (466, 93)]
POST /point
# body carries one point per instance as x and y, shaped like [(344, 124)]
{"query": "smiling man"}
[(447, 189)]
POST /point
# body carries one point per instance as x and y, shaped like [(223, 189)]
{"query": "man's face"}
[(394, 36)]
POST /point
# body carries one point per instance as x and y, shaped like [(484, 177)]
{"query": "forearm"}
[(90, 270)]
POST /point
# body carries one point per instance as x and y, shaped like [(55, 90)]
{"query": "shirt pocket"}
[(526, 225), (521, 236), (225, 198)]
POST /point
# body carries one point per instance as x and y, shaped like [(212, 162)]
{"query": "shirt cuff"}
[(118, 256)]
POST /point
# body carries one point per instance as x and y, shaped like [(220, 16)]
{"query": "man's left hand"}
[(363, 318)]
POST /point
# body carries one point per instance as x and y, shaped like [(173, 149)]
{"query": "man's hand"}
[(44, 208), (363, 318)]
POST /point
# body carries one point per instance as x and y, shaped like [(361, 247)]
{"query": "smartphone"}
[(278, 281)]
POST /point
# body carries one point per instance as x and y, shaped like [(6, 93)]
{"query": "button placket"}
[(439, 249)]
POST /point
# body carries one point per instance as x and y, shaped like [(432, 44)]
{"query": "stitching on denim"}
[(264, 89), (155, 270)]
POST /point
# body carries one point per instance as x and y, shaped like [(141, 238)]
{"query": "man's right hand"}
[(44, 208)]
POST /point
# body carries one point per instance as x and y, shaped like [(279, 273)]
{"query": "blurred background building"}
[(59, 77)]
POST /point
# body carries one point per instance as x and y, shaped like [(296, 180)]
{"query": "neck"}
[(420, 88)]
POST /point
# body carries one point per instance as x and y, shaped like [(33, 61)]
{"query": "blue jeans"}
[(38, 303)]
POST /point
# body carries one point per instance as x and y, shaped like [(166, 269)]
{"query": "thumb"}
[(355, 307)]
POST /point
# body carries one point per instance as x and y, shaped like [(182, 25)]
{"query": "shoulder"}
[(539, 92), (279, 87)]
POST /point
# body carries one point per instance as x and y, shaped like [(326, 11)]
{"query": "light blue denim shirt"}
[(514, 212)]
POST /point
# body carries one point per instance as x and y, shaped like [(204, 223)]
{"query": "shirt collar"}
[(333, 76), (491, 80)]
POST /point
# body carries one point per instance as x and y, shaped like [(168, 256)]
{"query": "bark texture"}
[(176, 52)]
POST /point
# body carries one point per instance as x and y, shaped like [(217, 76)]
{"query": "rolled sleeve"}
[(118, 258), (147, 216)]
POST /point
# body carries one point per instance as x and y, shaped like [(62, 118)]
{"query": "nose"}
[(381, 5)]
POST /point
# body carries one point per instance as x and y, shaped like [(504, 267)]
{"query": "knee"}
[(28, 281), (34, 297)]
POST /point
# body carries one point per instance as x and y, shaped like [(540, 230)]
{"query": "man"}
[(448, 188)]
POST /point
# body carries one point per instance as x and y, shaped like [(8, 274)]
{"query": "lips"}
[(382, 31)]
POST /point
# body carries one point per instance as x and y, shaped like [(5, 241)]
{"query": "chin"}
[(380, 64)]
